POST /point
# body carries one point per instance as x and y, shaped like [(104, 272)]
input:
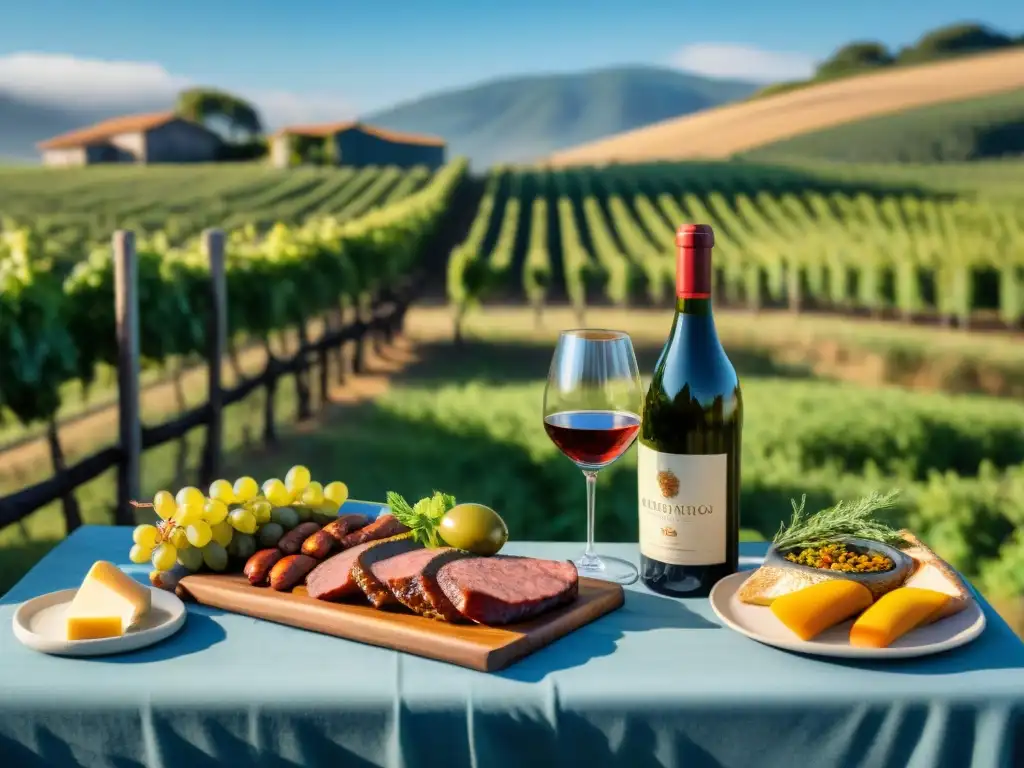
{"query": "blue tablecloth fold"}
[(659, 682)]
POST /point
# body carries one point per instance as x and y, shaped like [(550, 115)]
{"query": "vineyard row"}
[(607, 236), (73, 212)]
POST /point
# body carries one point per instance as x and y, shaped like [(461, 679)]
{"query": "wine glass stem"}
[(589, 555)]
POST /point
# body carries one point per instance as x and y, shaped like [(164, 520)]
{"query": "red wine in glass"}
[(591, 404), (592, 438)]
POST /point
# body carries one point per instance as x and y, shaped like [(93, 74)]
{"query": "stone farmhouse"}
[(358, 144), (160, 137)]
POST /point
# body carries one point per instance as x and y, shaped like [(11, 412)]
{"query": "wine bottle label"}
[(682, 506)]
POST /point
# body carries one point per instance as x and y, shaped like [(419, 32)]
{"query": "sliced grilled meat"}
[(412, 578), (332, 579), (504, 589), (379, 552)]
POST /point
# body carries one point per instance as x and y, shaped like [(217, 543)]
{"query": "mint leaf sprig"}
[(423, 518)]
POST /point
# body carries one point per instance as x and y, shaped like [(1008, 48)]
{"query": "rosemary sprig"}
[(423, 518), (847, 518)]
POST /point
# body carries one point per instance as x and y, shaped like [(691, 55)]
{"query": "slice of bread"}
[(932, 572)]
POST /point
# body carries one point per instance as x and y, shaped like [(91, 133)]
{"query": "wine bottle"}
[(688, 453)]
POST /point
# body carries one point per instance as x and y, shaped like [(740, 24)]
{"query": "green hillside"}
[(991, 127), (522, 118)]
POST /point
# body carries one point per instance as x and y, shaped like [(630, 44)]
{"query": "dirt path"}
[(84, 434)]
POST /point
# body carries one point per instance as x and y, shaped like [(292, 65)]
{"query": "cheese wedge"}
[(108, 604), (894, 615), (810, 611)]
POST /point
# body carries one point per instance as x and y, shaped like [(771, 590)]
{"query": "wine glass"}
[(592, 414)]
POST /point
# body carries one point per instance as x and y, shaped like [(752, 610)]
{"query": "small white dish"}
[(759, 623), (40, 624)]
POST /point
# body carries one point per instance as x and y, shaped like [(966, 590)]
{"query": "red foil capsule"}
[(693, 262)]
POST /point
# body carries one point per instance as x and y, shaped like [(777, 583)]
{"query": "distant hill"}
[(506, 120), (522, 118), (739, 128), (976, 129)]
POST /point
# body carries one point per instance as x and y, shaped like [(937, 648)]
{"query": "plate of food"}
[(110, 613), (842, 583)]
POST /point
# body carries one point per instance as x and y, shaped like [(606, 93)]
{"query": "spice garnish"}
[(847, 518)]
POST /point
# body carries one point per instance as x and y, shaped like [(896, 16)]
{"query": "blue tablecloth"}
[(658, 682)]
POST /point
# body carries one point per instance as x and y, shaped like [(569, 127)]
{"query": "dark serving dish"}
[(878, 582)]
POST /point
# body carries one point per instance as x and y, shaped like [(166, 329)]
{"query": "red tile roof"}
[(323, 130), (108, 129)]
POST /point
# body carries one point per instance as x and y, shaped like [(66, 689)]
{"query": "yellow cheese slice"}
[(894, 615), (810, 611), (108, 604)]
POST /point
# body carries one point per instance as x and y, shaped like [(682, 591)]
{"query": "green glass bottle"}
[(688, 452)]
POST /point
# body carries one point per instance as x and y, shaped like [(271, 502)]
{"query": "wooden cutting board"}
[(469, 645)]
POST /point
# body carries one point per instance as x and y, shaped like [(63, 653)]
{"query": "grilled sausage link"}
[(319, 545), (291, 542), (328, 539), (258, 566), (289, 571)]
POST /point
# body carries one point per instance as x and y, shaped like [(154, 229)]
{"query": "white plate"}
[(40, 624), (759, 623)]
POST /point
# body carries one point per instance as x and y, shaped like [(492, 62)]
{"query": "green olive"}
[(475, 528)]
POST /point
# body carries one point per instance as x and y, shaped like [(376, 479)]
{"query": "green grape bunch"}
[(231, 520)]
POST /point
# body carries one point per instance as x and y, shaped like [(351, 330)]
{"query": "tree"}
[(955, 40), (220, 111), (854, 58)]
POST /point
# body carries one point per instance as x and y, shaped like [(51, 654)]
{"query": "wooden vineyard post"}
[(324, 357), (217, 322), (72, 514), (339, 350), (126, 315), (271, 372), (360, 340)]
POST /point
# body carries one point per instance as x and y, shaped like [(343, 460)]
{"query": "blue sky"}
[(366, 55)]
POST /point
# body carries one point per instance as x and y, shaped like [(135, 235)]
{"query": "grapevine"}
[(57, 327)]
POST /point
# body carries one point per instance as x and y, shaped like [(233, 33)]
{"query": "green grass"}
[(986, 127)]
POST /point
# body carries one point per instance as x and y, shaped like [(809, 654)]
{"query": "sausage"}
[(258, 566), (345, 524), (383, 527), (289, 571), (329, 538), (319, 545), (291, 542)]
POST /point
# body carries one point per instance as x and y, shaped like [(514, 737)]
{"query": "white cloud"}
[(281, 108), (128, 86), (58, 78), (742, 62)]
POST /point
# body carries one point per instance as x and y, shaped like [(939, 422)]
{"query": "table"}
[(658, 682)]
